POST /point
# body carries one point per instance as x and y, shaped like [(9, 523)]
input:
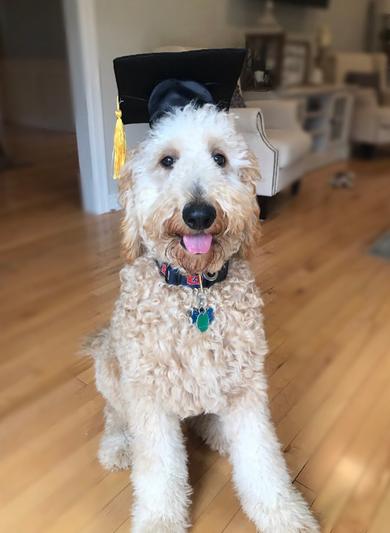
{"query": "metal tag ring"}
[(210, 277)]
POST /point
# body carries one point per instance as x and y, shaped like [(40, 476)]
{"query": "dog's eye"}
[(220, 159), (167, 161)]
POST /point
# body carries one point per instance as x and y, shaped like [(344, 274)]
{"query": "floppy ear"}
[(131, 242), (249, 175)]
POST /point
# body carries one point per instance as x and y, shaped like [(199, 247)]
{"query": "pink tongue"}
[(198, 244)]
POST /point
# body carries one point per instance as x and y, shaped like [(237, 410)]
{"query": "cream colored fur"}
[(155, 369)]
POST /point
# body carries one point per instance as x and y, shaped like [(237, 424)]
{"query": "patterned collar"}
[(174, 277)]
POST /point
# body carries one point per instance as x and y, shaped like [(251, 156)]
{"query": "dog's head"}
[(188, 192)]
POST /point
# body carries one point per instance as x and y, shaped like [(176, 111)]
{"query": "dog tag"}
[(202, 318), (202, 322)]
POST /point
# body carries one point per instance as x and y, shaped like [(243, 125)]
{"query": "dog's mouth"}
[(195, 252), (199, 243)]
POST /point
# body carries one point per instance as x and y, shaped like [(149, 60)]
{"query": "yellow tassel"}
[(119, 150)]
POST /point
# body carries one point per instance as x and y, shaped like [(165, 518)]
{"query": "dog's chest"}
[(162, 351)]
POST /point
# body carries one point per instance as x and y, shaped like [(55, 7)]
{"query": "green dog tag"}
[(201, 317), (202, 322)]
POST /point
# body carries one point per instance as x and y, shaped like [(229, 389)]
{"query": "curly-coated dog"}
[(188, 194)]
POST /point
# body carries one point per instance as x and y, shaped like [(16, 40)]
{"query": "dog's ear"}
[(250, 175), (131, 242), (250, 172)]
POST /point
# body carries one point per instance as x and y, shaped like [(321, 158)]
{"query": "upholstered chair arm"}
[(246, 119), (250, 124), (278, 114)]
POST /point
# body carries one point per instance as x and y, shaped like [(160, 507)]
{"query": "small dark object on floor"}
[(343, 180), (381, 246)]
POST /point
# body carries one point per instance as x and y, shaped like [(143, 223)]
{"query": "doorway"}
[(38, 151)]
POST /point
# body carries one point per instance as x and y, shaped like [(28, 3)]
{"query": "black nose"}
[(199, 216)]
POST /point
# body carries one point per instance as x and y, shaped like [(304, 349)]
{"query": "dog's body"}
[(171, 362), (155, 368)]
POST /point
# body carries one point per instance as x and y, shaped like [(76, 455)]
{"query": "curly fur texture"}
[(155, 368)]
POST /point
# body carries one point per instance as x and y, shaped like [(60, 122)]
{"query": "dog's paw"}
[(158, 526), (114, 452), (292, 516)]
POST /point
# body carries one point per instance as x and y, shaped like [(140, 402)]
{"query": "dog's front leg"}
[(260, 472), (159, 472)]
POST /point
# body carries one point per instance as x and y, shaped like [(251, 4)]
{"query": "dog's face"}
[(188, 192)]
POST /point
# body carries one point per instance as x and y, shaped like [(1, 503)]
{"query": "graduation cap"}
[(151, 85)]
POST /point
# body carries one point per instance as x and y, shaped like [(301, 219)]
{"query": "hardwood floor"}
[(327, 317)]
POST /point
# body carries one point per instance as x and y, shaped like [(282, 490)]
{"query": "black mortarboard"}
[(151, 84)]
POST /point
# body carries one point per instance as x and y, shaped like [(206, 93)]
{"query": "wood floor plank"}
[(306, 441), (363, 504), (209, 486), (333, 496), (322, 461), (381, 521), (219, 512), (240, 524), (39, 456), (81, 509)]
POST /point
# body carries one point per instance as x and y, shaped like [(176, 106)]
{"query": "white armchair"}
[(371, 117), (273, 132)]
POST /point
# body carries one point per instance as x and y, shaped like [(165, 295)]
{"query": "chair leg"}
[(364, 150), (296, 187), (263, 202)]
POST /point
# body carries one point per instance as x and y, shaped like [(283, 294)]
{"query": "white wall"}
[(347, 19), (133, 26)]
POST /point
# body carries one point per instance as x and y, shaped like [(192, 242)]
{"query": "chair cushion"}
[(291, 145)]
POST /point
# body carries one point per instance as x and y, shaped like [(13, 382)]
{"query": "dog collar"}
[(174, 277)]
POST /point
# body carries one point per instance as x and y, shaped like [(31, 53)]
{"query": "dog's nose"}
[(199, 215)]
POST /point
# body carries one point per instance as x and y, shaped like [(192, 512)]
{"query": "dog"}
[(188, 194)]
